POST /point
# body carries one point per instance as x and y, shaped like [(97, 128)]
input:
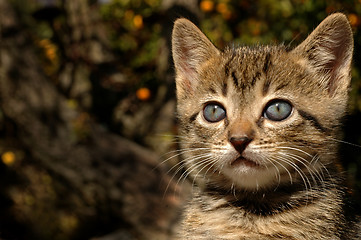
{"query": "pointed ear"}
[(328, 51), (190, 49)]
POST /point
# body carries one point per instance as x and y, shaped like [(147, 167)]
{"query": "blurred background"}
[(87, 103)]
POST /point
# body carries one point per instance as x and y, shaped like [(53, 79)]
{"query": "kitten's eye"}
[(277, 110), (214, 112)]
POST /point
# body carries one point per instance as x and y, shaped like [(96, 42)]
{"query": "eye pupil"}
[(278, 110), (214, 112)]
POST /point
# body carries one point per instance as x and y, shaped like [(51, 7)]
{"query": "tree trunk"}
[(70, 178)]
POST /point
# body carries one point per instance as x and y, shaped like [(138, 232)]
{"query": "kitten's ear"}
[(190, 48), (328, 50)]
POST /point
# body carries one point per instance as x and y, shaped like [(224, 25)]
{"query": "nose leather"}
[(240, 143), (240, 134)]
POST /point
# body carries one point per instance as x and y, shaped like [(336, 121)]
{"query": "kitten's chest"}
[(217, 219)]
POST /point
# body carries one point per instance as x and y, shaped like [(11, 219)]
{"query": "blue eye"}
[(278, 110), (214, 112)]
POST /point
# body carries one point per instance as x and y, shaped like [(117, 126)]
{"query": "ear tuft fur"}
[(328, 50), (190, 49)]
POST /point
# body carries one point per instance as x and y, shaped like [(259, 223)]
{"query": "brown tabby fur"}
[(290, 186)]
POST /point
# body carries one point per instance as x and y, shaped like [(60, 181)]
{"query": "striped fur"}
[(287, 183)]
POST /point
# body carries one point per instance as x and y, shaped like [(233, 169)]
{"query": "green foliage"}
[(133, 36), (135, 30)]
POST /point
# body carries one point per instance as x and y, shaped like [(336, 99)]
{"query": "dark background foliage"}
[(87, 108)]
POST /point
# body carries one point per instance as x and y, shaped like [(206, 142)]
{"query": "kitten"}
[(259, 129)]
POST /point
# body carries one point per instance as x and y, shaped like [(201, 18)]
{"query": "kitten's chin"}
[(241, 161), (245, 173)]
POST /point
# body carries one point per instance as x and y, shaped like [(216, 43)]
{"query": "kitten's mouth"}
[(244, 161)]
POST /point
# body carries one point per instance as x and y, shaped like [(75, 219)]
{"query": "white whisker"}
[(345, 142), (288, 172), (180, 152), (304, 178), (205, 163), (180, 167), (302, 161), (295, 149)]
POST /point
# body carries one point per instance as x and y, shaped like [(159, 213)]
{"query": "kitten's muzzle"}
[(240, 144)]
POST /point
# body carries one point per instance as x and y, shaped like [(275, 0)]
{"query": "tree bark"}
[(71, 185)]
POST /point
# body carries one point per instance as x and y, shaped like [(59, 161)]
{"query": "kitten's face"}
[(259, 117)]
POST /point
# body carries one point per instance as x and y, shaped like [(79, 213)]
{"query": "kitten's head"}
[(257, 117)]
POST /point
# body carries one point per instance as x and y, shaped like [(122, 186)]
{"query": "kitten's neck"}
[(283, 197)]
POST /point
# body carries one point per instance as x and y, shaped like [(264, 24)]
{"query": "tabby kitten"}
[(259, 135)]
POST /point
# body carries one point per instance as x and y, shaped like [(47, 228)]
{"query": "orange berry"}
[(206, 5), (138, 21), (8, 158), (143, 94)]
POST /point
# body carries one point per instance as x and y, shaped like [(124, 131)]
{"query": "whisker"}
[(308, 166), (183, 139), (344, 142), (204, 157), (205, 164), (320, 173), (179, 152), (233, 190), (324, 167), (301, 161), (298, 170), (180, 168), (278, 171), (214, 163), (185, 160), (296, 149)]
